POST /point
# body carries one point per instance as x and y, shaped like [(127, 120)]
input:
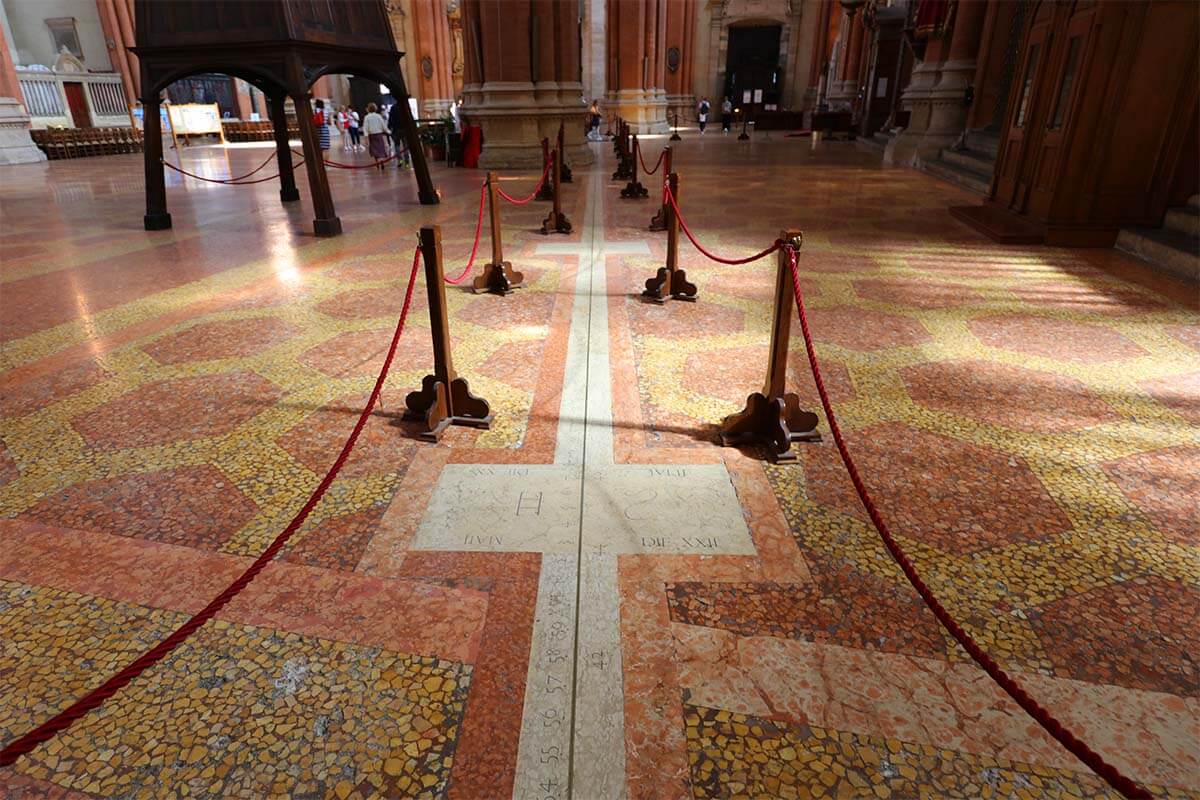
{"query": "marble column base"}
[(16, 146), (683, 106), (902, 149), (436, 108), (644, 109), (516, 116)]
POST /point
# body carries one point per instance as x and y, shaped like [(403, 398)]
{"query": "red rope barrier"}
[(239, 181), (536, 189), (700, 247), (68, 716), (1126, 786), (456, 280), (646, 171), (339, 165)]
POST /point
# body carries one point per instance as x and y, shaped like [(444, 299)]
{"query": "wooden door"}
[(80, 115), (1018, 146), (1065, 73)]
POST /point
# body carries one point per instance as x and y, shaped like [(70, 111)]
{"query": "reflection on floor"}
[(592, 598)]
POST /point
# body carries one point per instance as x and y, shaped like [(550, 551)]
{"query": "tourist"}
[(594, 120), (342, 119), (395, 122), (702, 114), (726, 115), (352, 127), (377, 135), (322, 123)]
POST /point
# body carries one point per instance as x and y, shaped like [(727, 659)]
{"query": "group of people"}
[(703, 109), (384, 136)]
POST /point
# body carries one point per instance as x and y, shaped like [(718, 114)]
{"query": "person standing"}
[(377, 135), (702, 114), (395, 123), (594, 122), (342, 119), (352, 127), (321, 120), (726, 115)]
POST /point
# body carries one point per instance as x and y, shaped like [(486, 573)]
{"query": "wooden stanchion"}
[(444, 398), (773, 416), (675, 137), (608, 131), (670, 282), (546, 190), (659, 221), (557, 221), (498, 277), (618, 137), (624, 151), (567, 176), (634, 189)]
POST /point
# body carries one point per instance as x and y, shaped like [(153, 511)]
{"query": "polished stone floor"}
[(590, 599)]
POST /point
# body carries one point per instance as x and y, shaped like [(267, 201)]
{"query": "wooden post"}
[(444, 398), (624, 171), (283, 153), (557, 221), (608, 131), (326, 222), (157, 218), (659, 221), (773, 416), (671, 281), (567, 177), (675, 137), (497, 276), (546, 192), (634, 189)]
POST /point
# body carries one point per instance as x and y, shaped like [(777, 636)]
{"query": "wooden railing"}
[(46, 98)]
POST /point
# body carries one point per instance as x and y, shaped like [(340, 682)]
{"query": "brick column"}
[(522, 78), (948, 113), (636, 41)]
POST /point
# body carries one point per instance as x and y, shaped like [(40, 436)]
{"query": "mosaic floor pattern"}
[(591, 598)]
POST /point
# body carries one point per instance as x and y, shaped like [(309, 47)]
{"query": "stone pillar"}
[(678, 84), (819, 56), (522, 79), (917, 99), (15, 145), (842, 81), (432, 58), (948, 112), (595, 50), (636, 41)]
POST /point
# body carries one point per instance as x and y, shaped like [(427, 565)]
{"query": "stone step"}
[(984, 142), (977, 182), (969, 159), (1170, 251), (1184, 219)]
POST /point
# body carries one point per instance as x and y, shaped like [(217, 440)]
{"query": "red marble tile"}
[(521, 308), (19, 398), (517, 364), (1165, 486), (177, 410), (1013, 397), (944, 492), (221, 339), (359, 354), (1180, 393), (916, 293), (863, 329), (193, 506), (382, 448), (1089, 297), (1054, 338)]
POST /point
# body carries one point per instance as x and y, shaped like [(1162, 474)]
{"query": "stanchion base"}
[(624, 171), (436, 408), (669, 285), (556, 223), (429, 199), (157, 222), (566, 176), (675, 137), (327, 227), (775, 422), (634, 191), (498, 279), (289, 195), (546, 192), (659, 221), (743, 137)]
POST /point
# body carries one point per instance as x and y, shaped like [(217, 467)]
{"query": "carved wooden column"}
[(325, 219), (156, 218), (283, 151)]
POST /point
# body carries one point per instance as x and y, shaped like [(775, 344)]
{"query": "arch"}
[(260, 79)]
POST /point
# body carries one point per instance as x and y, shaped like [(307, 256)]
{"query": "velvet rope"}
[(460, 277), (339, 165), (646, 170), (68, 716), (536, 188), (700, 247), (238, 181), (1126, 786)]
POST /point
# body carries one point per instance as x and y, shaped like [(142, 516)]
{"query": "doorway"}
[(753, 78), (80, 116)]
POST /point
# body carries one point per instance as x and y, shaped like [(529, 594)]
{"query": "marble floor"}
[(592, 598)]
